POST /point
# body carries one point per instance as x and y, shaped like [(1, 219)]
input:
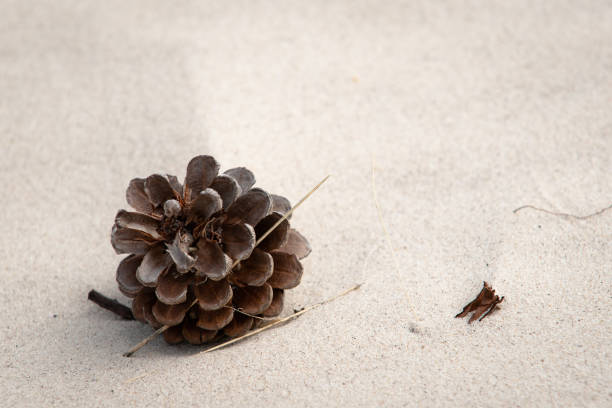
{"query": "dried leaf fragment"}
[(482, 305)]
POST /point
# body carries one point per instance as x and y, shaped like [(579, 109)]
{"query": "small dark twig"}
[(110, 304), (560, 214)]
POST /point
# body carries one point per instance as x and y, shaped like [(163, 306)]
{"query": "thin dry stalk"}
[(145, 341), (560, 214), (276, 322), (138, 377), (248, 314), (272, 228), (283, 320)]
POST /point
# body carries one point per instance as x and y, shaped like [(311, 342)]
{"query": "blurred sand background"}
[(469, 110)]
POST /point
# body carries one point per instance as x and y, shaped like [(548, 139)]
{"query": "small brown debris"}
[(483, 305), (109, 304)]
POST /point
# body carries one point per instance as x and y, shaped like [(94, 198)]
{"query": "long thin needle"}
[(284, 319)]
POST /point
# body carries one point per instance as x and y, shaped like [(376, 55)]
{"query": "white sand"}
[(470, 111)]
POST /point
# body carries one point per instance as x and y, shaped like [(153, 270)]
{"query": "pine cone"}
[(183, 241)]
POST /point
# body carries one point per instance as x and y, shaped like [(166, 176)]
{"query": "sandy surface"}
[(469, 110)]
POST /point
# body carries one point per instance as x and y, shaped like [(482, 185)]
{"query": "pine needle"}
[(283, 320), (145, 341), (237, 310)]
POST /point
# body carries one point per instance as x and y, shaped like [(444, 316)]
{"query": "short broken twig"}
[(110, 304)]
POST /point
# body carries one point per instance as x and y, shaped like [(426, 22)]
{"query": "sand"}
[(468, 110)]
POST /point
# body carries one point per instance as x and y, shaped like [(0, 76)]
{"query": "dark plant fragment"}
[(482, 305)]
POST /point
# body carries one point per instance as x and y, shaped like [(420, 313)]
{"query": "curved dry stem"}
[(560, 214)]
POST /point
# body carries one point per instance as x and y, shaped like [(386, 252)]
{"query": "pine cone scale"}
[(158, 189), (287, 271), (201, 171), (129, 241), (228, 188), (253, 299), (211, 261), (296, 244), (238, 240), (276, 238), (139, 222), (172, 288), (156, 261), (194, 335), (276, 307), (204, 205), (243, 176), (250, 207), (255, 270), (174, 335), (179, 252), (126, 276), (169, 315), (213, 295), (137, 198), (280, 205), (142, 305), (215, 319), (239, 325)]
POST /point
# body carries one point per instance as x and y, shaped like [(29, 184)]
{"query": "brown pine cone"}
[(183, 241)]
